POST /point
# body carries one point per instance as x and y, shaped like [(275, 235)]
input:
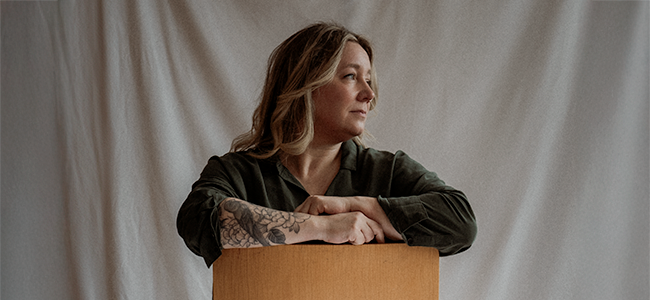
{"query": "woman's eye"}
[(351, 76)]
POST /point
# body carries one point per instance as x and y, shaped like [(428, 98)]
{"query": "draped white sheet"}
[(538, 110)]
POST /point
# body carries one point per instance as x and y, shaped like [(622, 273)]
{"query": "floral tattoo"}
[(252, 225)]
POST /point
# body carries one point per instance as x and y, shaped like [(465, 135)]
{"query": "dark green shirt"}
[(424, 210)]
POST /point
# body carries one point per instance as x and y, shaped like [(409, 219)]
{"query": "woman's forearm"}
[(245, 225)]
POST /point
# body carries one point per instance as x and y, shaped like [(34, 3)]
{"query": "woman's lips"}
[(360, 112)]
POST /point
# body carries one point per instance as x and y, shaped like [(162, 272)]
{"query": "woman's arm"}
[(245, 225), (414, 205)]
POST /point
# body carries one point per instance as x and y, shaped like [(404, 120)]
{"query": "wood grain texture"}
[(372, 271)]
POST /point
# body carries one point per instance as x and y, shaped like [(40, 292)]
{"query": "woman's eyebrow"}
[(355, 66)]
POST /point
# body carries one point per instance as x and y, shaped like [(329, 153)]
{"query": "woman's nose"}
[(367, 94)]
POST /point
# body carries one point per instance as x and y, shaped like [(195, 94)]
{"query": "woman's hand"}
[(316, 205), (368, 206), (350, 227)]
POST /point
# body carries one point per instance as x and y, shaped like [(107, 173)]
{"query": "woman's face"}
[(340, 107)]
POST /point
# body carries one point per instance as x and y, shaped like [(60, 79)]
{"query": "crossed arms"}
[(423, 211), (355, 220)]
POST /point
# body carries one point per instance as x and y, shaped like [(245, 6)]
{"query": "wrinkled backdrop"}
[(538, 110)]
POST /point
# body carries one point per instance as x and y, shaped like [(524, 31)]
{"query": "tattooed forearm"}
[(245, 225)]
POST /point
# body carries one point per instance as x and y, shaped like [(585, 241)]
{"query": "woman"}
[(301, 173)]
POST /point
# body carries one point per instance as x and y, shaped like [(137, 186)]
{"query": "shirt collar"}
[(349, 151)]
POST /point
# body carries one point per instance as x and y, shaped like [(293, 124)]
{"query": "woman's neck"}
[(316, 167), (313, 159)]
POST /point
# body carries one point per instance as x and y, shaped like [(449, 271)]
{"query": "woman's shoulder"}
[(242, 161), (247, 156), (238, 156)]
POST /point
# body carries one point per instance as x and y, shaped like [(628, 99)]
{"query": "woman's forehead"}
[(354, 56)]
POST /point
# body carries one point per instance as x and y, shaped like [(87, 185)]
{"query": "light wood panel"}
[(305, 271)]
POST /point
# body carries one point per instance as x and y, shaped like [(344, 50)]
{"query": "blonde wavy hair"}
[(283, 121)]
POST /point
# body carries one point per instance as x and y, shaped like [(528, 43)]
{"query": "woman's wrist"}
[(371, 208)]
